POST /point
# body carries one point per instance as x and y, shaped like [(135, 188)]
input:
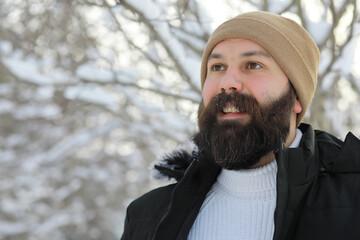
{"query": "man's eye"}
[(253, 65), (217, 67)]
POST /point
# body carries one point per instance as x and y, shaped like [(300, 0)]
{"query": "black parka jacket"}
[(318, 193)]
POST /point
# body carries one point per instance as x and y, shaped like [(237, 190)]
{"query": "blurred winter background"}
[(93, 92)]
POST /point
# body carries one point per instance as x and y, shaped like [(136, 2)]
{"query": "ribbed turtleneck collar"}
[(253, 180), (249, 180)]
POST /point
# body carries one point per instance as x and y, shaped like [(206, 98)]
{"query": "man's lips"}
[(231, 112), (232, 115)]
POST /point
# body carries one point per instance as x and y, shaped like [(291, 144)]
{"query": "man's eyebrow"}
[(255, 53), (245, 54), (214, 56)]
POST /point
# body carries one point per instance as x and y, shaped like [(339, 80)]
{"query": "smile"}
[(230, 110)]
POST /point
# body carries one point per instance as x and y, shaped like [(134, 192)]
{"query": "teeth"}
[(230, 110)]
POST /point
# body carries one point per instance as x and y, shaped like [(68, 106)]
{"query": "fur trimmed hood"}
[(174, 165)]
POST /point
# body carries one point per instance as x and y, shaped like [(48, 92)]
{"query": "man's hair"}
[(286, 41)]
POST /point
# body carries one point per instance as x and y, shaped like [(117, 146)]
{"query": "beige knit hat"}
[(286, 41)]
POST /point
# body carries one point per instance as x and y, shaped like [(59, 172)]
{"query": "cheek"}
[(266, 90), (209, 90), (258, 89)]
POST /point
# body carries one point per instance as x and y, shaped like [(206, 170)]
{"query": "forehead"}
[(241, 48), (239, 44)]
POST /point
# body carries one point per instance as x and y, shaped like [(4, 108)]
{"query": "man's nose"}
[(231, 81)]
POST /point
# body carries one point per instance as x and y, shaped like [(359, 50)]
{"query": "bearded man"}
[(257, 172)]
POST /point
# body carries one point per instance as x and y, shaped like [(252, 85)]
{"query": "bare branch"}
[(163, 43)]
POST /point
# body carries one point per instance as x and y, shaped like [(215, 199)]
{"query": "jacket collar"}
[(296, 166), (187, 198)]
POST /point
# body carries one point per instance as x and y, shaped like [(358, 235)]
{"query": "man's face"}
[(248, 105), (240, 65)]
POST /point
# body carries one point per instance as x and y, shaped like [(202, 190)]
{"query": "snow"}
[(12, 228), (7, 156), (148, 7), (5, 47), (28, 70), (194, 41), (90, 132), (328, 81), (192, 67), (345, 63), (191, 95), (127, 76), (6, 106), (37, 111), (176, 48), (218, 13), (92, 94), (325, 57), (93, 73), (68, 145), (15, 139), (65, 191), (318, 30), (339, 4), (5, 89), (55, 222), (45, 93), (8, 206), (277, 6)]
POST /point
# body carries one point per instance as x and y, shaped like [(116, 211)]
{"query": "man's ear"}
[(297, 106)]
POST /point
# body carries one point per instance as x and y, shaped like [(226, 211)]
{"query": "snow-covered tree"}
[(92, 92)]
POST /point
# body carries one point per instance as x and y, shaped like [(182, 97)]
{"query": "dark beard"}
[(235, 144)]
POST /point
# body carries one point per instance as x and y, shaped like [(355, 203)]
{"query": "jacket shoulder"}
[(323, 137), (337, 155), (144, 213), (152, 201), (332, 200)]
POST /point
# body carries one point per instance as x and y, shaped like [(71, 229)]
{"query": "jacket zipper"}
[(172, 198)]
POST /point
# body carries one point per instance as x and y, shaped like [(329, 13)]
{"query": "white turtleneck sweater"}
[(240, 205)]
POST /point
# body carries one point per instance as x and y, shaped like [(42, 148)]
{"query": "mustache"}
[(243, 102)]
